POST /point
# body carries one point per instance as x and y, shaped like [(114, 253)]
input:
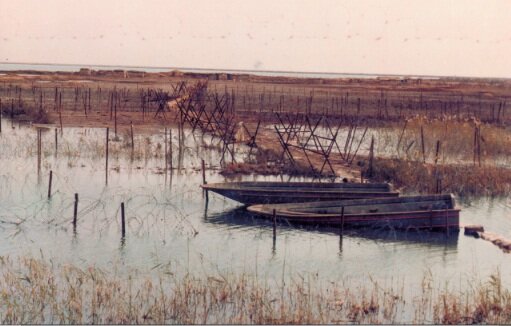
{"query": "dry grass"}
[(32, 291), (456, 137), (463, 180)]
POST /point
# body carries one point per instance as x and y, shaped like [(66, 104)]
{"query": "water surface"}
[(170, 227)]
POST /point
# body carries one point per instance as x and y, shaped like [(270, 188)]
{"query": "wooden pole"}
[(204, 178), (170, 148), (49, 184), (84, 98), (115, 119), (371, 158), (111, 104), (56, 142), (60, 120), (342, 220), (274, 218), (475, 145), (179, 135), (166, 153), (132, 140), (204, 173), (479, 145), (75, 211), (437, 153), (422, 145), (123, 221), (106, 162), (401, 136), (39, 146)]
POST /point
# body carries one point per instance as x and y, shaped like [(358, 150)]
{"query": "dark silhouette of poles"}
[(39, 150), (115, 119), (75, 211), (204, 172), (166, 153), (60, 121), (274, 220), (342, 228), (204, 178), (437, 152), (132, 141), (371, 158), (342, 220), (56, 142), (170, 149), (106, 162), (123, 221), (49, 184), (422, 146)]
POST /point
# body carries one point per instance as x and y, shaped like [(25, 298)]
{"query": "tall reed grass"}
[(463, 180), (404, 140), (35, 291)]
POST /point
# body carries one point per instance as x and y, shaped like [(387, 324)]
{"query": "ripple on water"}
[(168, 223)]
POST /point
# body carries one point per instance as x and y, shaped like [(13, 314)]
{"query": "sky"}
[(434, 37)]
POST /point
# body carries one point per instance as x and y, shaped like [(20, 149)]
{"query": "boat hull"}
[(274, 193), (395, 213)]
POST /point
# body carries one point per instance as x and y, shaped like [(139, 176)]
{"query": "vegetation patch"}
[(462, 180)]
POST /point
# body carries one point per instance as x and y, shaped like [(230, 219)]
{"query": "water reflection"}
[(240, 219), (172, 223)]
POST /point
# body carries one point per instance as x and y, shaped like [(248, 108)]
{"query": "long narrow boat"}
[(408, 212), (298, 192)]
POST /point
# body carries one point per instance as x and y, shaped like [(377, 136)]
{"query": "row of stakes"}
[(274, 213), (123, 217), (75, 209), (75, 213)]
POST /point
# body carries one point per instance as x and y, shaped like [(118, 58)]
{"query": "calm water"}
[(169, 226)]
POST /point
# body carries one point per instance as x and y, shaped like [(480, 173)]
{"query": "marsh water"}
[(170, 228)]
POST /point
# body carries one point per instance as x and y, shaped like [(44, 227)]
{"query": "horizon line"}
[(251, 71)]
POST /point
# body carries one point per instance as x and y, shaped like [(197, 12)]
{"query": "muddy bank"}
[(444, 109), (375, 99)]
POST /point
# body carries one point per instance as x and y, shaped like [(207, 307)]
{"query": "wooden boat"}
[(238, 219), (298, 192), (408, 212)]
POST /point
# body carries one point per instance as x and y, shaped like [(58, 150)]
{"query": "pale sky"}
[(433, 37)]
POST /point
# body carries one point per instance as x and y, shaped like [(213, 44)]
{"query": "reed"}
[(463, 180), (403, 140), (34, 291)]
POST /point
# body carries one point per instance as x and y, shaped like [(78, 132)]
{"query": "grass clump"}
[(33, 291), (462, 180)]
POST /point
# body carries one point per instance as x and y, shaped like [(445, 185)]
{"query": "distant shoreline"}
[(72, 68)]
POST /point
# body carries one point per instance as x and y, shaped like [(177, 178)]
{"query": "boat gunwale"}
[(298, 214), (368, 201), (286, 208), (249, 185), (215, 187)]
